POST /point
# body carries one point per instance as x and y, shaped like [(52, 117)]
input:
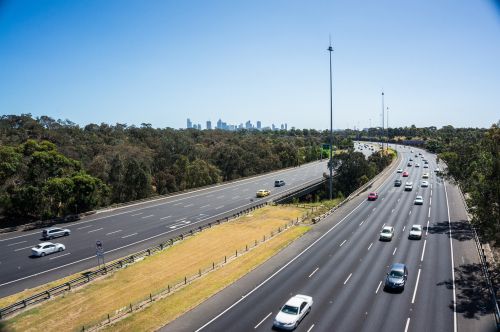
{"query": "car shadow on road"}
[(460, 230), (472, 291)]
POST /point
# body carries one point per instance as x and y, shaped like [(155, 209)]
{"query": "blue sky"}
[(161, 62)]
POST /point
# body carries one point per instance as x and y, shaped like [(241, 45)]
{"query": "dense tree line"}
[(354, 170), (53, 167), (473, 160)]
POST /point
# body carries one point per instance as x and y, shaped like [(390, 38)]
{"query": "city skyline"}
[(226, 126)]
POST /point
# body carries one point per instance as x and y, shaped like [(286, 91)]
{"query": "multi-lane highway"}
[(342, 264), (136, 227)]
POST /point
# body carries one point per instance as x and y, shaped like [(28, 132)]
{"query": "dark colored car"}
[(397, 183), (396, 278), (279, 183)]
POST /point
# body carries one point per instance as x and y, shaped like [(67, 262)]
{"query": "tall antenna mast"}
[(330, 50)]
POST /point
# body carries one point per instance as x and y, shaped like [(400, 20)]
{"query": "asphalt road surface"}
[(342, 264), (136, 227)]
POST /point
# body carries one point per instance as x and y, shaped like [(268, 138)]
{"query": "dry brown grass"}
[(167, 309), (153, 274)]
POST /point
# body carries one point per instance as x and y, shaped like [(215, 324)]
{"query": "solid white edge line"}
[(452, 262), (407, 324), (279, 270), (423, 251), (416, 287), (313, 272), (262, 321)]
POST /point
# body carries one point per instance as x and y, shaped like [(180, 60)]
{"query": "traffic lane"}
[(197, 316), (435, 296), (473, 299), (331, 265), (133, 231), (289, 281)]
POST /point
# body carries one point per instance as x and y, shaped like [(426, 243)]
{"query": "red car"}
[(405, 174), (372, 196)]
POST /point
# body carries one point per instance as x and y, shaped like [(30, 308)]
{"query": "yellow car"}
[(263, 193)]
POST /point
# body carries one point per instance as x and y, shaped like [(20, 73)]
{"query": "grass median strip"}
[(166, 310), (134, 283)]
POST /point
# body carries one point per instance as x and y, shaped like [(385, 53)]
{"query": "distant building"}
[(209, 125), (282, 126), (199, 126), (286, 126), (189, 124), (219, 124), (248, 125), (273, 126), (259, 125)]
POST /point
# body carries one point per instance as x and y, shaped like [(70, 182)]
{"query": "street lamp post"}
[(330, 50)]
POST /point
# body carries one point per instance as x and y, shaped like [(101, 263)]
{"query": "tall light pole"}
[(330, 50)]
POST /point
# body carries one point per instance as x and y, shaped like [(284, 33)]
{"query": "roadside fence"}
[(115, 316), (93, 274)]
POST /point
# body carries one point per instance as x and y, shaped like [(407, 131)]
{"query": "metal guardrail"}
[(89, 276)]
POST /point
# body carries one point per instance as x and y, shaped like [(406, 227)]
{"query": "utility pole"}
[(330, 50)]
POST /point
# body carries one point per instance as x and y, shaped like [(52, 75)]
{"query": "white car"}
[(387, 233), (419, 200), (426, 166), (425, 175), (46, 248), (294, 310), (400, 170), (409, 186), (415, 232), (417, 165), (424, 184)]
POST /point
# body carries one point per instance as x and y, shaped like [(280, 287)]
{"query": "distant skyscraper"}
[(209, 125), (189, 124), (219, 124), (259, 125), (199, 126), (286, 126), (282, 126), (248, 125), (273, 126)]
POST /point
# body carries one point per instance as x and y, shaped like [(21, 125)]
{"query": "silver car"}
[(46, 248), (294, 310), (387, 233), (54, 232)]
